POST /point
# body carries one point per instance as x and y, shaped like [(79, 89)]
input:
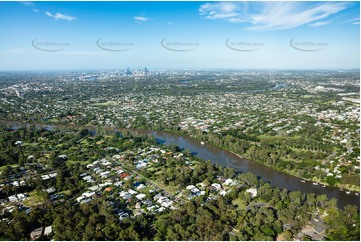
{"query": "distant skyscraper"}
[(128, 72), (146, 71)]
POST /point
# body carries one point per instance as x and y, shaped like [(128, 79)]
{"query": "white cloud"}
[(140, 19), (319, 24), (30, 4), (60, 16), (224, 11), (27, 4), (353, 21), (270, 15)]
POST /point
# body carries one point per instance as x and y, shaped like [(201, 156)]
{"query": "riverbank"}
[(220, 156), (346, 187)]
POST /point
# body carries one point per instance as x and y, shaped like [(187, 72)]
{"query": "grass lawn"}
[(99, 142), (59, 146), (33, 199), (30, 144), (65, 192), (48, 155), (3, 167), (151, 169), (241, 204), (146, 190), (84, 142), (109, 103), (53, 120), (73, 162), (158, 173), (270, 137), (169, 189), (300, 150)]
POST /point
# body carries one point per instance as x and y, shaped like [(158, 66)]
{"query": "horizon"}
[(180, 69), (292, 35), (165, 69)]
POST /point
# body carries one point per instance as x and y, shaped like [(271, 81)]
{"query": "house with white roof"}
[(52, 175), (190, 187), (13, 198), (140, 186), (161, 209), (105, 174), (125, 195), (78, 199), (140, 196), (87, 178), (48, 230), (252, 191), (131, 191), (195, 190), (88, 194), (45, 177), (216, 186), (230, 182)]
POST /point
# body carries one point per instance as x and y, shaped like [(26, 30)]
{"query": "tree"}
[(321, 199), (295, 197), (84, 132), (311, 200), (228, 172), (249, 178), (286, 235)]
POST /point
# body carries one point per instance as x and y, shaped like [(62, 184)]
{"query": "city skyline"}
[(179, 35)]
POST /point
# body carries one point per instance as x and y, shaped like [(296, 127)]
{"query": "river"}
[(226, 158), (275, 178)]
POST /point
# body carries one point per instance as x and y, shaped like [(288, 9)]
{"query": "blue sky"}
[(176, 35)]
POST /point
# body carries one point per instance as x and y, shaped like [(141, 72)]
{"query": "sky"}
[(179, 35)]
